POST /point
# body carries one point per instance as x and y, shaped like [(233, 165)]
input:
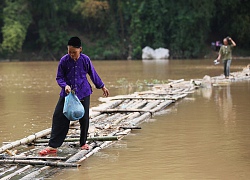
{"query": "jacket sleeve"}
[(60, 76), (220, 51), (94, 76)]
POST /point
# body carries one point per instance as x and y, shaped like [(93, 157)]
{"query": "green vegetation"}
[(116, 29)]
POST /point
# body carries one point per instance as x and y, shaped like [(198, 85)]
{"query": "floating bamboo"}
[(122, 110), (16, 172), (103, 138), (44, 163), (130, 127), (35, 173), (25, 140), (8, 170), (139, 97), (36, 157)]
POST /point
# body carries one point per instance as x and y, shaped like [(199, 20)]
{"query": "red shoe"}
[(85, 147), (47, 151)]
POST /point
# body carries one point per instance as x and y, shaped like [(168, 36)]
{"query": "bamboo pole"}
[(140, 119), (103, 138), (99, 138), (120, 119), (114, 116), (35, 157), (139, 97), (83, 154), (180, 96), (177, 91), (126, 104), (148, 115), (123, 110), (17, 172), (35, 173), (97, 118), (25, 140), (33, 162), (124, 133), (78, 156), (149, 106), (109, 99), (8, 170), (161, 106), (175, 81), (135, 104), (166, 93), (90, 153), (129, 127), (107, 106), (140, 105)]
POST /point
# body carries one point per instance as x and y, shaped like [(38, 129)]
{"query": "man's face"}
[(74, 52), (225, 41)]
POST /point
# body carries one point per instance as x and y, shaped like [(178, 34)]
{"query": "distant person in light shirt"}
[(72, 75), (225, 54)]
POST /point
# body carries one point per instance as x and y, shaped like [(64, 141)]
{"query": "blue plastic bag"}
[(73, 108)]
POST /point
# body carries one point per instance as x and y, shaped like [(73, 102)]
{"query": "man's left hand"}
[(105, 91)]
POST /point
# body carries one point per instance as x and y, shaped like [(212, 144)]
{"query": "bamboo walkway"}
[(112, 120)]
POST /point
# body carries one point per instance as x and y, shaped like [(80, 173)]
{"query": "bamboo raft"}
[(112, 120)]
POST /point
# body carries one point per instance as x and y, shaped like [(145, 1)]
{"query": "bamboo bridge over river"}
[(112, 120)]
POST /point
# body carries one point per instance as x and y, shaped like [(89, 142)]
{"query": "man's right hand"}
[(67, 89)]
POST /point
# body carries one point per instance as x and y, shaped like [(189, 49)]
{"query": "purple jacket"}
[(73, 73)]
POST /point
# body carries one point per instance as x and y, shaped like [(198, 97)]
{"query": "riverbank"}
[(48, 56)]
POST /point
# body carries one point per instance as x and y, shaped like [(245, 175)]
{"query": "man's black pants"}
[(60, 124)]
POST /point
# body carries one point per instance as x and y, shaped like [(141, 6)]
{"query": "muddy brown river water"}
[(203, 136)]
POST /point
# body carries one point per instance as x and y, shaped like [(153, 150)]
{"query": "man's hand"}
[(105, 91), (67, 89)]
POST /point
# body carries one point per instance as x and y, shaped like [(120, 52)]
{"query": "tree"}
[(148, 24), (50, 26), (16, 19), (109, 27), (232, 18), (189, 27)]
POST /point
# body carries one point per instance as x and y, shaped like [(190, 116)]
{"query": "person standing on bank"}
[(71, 75), (225, 54)]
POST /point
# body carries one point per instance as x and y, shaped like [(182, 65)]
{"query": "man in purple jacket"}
[(71, 75)]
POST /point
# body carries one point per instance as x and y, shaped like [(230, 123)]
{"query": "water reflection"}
[(155, 67), (206, 85), (207, 93), (224, 104)]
